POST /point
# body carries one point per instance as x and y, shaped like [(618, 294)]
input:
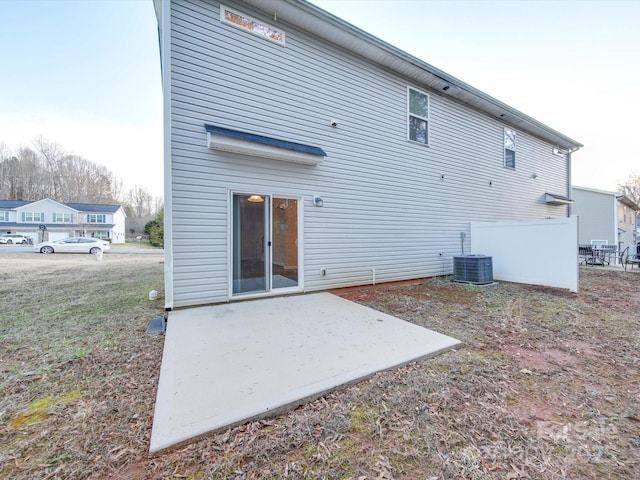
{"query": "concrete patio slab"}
[(225, 364)]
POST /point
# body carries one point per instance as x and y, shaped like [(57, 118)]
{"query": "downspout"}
[(569, 181), (616, 229), (165, 28)]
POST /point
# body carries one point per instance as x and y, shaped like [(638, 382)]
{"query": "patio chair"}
[(608, 253), (632, 259), (612, 254), (585, 254)]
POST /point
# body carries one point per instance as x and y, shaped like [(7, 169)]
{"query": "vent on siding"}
[(477, 269)]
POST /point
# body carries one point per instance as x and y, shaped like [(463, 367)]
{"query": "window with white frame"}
[(509, 148), (96, 218), (63, 217), (32, 217), (4, 216), (245, 22), (418, 113)]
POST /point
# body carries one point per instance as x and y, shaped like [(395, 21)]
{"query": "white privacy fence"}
[(539, 252)]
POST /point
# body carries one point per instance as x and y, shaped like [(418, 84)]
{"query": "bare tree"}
[(85, 181), (141, 207), (140, 201), (20, 176), (5, 151), (34, 179), (52, 154), (631, 188), (46, 171), (117, 190)]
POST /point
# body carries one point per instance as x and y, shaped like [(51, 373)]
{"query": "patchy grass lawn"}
[(546, 386), (77, 372), (134, 244)]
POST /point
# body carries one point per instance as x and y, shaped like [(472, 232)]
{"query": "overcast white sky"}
[(87, 75)]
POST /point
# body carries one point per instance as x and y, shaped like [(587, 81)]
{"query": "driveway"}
[(113, 251)]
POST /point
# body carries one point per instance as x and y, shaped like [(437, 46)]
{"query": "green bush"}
[(155, 230)]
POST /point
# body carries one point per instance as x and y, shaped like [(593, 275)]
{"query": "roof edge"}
[(337, 31)]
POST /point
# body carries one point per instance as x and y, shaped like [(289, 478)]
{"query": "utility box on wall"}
[(476, 269)]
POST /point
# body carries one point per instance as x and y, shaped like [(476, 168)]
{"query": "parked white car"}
[(13, 238), (74, 245)]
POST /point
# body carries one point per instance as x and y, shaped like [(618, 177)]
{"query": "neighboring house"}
[(302, 154), (605, 218), (50, 220)]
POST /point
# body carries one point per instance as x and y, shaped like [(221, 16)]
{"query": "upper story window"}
[(509, 148), (62, 217), (237, 19), (418, 113), (96, 218), (4, 216), (32, 217)]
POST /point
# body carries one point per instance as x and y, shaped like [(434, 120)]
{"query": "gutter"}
[(345, 36)]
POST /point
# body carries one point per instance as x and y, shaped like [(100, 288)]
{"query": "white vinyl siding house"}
[(51, 220), (377, 204), (605, 217)]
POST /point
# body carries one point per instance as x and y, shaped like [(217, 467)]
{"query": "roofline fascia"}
[(622, 198)]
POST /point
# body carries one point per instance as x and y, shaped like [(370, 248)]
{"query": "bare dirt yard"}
[(545, 386)]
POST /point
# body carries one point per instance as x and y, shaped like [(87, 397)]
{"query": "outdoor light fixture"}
[(255, 199), (317, 201)]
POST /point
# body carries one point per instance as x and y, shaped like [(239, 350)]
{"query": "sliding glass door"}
[(265, 252)]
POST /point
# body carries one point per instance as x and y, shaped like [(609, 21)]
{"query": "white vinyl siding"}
[(597, 213), (390, 205)]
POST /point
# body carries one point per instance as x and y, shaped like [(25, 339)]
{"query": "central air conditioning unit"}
[(476, 269)]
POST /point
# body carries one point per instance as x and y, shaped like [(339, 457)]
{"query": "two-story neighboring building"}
[(302, 153), (50, 220), (605, 218)]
